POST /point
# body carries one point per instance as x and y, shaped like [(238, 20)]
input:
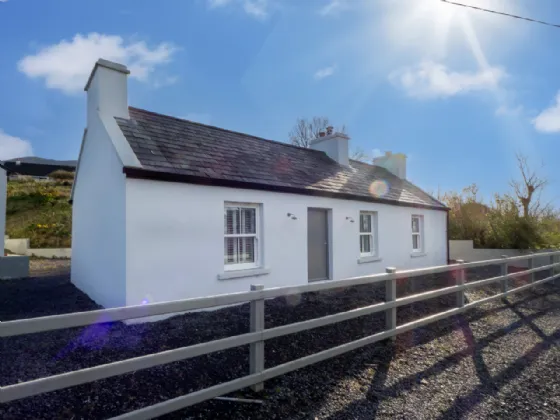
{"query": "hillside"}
[(40, 211)]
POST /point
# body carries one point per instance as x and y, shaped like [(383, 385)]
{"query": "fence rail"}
[(258, 335)]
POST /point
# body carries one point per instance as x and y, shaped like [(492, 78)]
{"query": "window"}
[(417, 239), (368, 237), (241, 236)]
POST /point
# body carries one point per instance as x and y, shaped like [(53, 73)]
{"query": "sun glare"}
[(433, 27)]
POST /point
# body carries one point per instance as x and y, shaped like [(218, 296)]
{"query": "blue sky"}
[(459, 91)]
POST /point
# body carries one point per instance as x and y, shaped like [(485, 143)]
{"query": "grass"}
[(40, 211)]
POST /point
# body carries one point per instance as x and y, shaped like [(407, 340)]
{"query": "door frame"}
[(328, 212)]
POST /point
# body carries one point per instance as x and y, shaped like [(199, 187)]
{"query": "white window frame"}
[(372, 234), (256, 235), (419, 234)]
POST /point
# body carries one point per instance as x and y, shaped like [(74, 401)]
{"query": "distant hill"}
[(40, 211), (42, 161)]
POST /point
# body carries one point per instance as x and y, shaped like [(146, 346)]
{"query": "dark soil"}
[(501, 360)]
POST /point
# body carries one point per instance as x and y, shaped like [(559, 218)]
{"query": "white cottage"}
[(165, 208)]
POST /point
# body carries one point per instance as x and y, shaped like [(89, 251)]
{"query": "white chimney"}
[(107, 91), (334, 144), (394, 163)]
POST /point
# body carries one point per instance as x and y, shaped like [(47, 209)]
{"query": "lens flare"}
[(378, 188)]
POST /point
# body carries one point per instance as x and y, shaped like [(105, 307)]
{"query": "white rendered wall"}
[(175, 241), (98, 224), (3, 198)]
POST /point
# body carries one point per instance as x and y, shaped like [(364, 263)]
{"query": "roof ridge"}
[(225, 129)]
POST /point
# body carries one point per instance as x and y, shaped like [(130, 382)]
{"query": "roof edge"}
[(150, 174)]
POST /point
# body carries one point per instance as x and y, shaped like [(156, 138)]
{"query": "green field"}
[(40, 211)]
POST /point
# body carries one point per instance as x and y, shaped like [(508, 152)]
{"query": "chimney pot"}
[(321, 134), (329, 130)]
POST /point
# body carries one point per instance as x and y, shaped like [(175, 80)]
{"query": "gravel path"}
[(500, 360)]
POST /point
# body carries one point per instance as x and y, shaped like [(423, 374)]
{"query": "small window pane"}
[(415, 242), (415, 225), (248, 224), (247, 246), (365, 244), (365, 223), (230, 250), (231, 222)]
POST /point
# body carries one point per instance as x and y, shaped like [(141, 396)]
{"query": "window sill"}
[(373, 258), (418, 254), (236, 274)]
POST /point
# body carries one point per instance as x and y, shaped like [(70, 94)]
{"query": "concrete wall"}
[(21, 247), (50, 252), (3, 198), (17, 246), (98, 225), (175, 239), (14, 267), (464, 250)]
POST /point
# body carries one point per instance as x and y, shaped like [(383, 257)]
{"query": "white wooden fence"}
[(258, 335)]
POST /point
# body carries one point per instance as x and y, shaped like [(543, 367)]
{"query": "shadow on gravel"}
[(489, 385), (292, 396)]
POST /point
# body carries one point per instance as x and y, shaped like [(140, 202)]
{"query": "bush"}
[(62, 175), (500, 224)]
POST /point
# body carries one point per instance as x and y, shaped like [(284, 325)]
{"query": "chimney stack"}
[(334, 144), (107, 91), (394, 163)]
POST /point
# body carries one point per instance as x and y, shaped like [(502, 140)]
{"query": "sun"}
[(434, 27)]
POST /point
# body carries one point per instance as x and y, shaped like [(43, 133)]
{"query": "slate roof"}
[(166, 144)]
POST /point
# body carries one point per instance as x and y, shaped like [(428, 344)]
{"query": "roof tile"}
[(169, 144)]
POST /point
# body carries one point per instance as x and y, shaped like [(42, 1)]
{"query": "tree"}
[(528, 190), (306, 130)]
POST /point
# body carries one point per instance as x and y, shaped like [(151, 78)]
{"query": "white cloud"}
[(324, 72), (217, 3), (507, 111), (333, 7), (11, 147), (198, 117), (433, 80), (67, 65), (258, 9), (548, 121), (165, 81)]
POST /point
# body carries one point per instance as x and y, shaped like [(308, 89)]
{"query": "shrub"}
[(62, 175)]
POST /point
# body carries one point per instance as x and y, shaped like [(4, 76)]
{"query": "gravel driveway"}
[(501, 360)]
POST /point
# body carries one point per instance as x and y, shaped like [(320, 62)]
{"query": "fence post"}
[(504, 272), (256, 350), (530, 265), (460, 280), (391, 296)]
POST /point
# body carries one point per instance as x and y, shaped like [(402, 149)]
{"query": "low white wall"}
[(465, 250), (50, 252), (20, 246), (3, 198), (17, 246)]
